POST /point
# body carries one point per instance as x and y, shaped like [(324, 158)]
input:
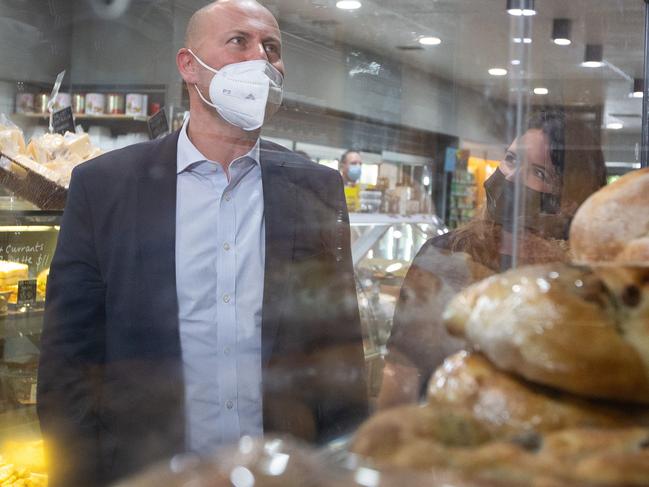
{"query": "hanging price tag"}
[(63, 121), (158, 125)]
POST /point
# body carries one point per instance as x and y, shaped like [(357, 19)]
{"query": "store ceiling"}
[(477, 35)]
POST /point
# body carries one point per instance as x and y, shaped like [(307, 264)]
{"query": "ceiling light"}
[(541, 91), (561, 29), (515, 62), (524, 40), (638, 88), (348, 4), (498, 72), (593, 56), (615, 125), (430, 41), (521, 7)]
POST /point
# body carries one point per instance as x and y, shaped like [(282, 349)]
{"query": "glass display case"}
[(486, 126)]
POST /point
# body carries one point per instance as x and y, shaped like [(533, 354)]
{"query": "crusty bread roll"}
[(507, 406), (613, 224), (582, 330)]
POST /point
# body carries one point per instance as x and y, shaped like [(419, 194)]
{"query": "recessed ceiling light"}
[(430, 41), (521, 7), (593, 56), (498, 72), (638, 88), (541, 91), (615, 125), (561, 29), (515, 62), (523, 40), (348, 4)]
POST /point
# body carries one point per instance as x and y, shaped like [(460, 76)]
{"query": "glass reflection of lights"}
[(246, 444), (348, 4), (277, 464), (397, 234), (367, 477), (394, 267), (242, 477)]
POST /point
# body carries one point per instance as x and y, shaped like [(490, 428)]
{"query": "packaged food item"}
[(40, 103), (11, 137), (78, 103), (61, 101), (115, 104), (24, 103), (135, 104), (95, 104), (41, 283)]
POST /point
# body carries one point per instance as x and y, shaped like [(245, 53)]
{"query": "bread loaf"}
[(613, 223), (582, 330)]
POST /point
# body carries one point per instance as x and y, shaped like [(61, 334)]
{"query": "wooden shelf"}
[(83, 116)]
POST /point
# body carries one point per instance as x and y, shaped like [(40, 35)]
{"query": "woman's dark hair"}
[(553, 125)]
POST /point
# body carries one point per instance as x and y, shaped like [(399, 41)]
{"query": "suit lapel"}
[(156, 244), (280, 205)]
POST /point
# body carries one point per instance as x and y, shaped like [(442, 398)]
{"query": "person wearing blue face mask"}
[(202, 289), (350, 167)]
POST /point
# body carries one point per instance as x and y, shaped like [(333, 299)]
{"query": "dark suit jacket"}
[(110, 390)]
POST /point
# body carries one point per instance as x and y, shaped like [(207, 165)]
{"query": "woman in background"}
[(559, 164)]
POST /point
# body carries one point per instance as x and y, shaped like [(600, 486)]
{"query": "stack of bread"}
[(52, 156), (555, 389)]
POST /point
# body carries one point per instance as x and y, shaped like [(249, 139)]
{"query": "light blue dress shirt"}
[(220, 237)]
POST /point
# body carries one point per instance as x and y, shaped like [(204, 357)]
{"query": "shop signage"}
[(27, 292), (63, 121), (158, 125)]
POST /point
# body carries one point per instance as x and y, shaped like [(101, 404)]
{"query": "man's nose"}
[(256, 52)]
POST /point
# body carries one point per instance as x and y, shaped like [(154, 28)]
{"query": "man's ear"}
[(187, 66)]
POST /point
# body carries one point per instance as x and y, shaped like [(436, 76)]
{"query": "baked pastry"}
[(507, 406), (582, 330), (613, 223), (387, 433)]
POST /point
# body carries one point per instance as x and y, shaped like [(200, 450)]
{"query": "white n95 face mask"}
[(245, 93)]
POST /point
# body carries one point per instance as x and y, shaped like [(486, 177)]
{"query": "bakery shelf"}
[(83, 116), (28, 184)]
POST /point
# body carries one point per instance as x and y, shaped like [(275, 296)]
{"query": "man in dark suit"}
[(202, 286)]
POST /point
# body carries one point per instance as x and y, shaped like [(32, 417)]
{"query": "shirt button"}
[(226, 246), (226, 298), (226, 350), (228, 197), (229, 404)]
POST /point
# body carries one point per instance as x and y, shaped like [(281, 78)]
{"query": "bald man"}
[(202, 287)]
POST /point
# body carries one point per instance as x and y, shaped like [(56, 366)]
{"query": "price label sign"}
[(158, 125), (63, 121), (27, 291)]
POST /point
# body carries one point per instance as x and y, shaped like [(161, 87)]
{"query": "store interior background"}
[(357, 78)]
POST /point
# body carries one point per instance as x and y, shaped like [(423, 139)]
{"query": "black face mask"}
[(539, 211)]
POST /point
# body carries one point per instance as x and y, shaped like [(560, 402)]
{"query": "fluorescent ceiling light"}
[(615, 125), (593, 56), (541, 91), (561, 30), (524, 40), (519, 8), (515, 62), (498, 72), (348, 4), (430, 41)]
